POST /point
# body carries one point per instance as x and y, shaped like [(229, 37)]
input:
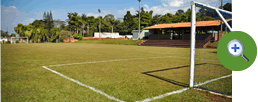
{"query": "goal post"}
[(206, 72), (192, 55), (14, 39)]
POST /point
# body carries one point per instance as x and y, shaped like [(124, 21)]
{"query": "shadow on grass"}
[(215, 52), (171, 80)]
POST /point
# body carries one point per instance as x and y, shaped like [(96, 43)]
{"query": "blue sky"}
[(26, 11)]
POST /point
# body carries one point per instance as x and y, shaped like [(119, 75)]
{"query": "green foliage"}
[(86, 25), (4, 34), (77, 36), (16, 41), (55, 33)]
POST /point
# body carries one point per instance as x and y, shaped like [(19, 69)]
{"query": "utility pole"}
[(139, 17), (99, 24)]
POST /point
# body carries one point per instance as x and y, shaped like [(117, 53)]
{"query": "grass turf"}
[(24, 79)]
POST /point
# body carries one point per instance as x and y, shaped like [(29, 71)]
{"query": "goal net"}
[(206, 72), (19, 40)]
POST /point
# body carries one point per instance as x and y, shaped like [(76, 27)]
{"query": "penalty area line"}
[(121, 60), (116, 60), (163, 95), (84, 85)]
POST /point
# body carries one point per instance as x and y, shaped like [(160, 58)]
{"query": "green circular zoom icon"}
[(236, 51)]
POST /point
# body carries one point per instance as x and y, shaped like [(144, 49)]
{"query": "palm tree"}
[(83, 21)]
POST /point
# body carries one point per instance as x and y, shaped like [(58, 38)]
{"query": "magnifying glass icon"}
[(236, 48)]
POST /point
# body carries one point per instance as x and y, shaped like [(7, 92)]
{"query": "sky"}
[(26, 11)]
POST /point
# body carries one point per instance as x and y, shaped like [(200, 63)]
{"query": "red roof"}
[(187, 24)]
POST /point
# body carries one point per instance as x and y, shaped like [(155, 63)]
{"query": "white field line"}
[(214, 93), (181, 90), (123, 60), (87, 86), (163, 95), (200, 84)]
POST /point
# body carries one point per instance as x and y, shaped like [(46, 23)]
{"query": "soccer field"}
[(102, 72)]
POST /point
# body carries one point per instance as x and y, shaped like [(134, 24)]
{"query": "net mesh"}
[(209, 74)]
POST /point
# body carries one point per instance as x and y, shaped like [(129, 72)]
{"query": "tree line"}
[(78, 26)]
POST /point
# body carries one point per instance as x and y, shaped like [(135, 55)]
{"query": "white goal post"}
[(14, 39), (193, 31)]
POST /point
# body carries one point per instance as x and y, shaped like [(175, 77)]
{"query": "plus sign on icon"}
[(235, 48)]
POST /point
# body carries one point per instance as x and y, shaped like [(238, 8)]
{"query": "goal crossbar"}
[(216, 9)]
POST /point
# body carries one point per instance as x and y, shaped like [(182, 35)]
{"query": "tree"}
[(155, 19), (167, 18), (82, 22), (4, 34), (128, 20), (55, 33), (13, 35), (111, 20), (51, 22), (227, 7), (70, 24), (145, 18), (48, 22), (58, 24), (179, 12), (19, 29), (75, 21)]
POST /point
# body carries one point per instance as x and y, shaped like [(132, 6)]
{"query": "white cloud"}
[(60, 10), (28, 21), (10, 17), (14, 7), (92, 14), (131, 9), (146, 6), (103, 13), (175, 3), (164, 4), (171, 6)]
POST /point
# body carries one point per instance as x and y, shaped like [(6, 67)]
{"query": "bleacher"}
[(173, 43)]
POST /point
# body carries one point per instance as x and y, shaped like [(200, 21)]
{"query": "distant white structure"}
[(129, 36), (143, 33), (14, 39), (110, 35), (3, 39)]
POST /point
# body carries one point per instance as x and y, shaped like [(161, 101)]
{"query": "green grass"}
[(111, 41), (24, 79)]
